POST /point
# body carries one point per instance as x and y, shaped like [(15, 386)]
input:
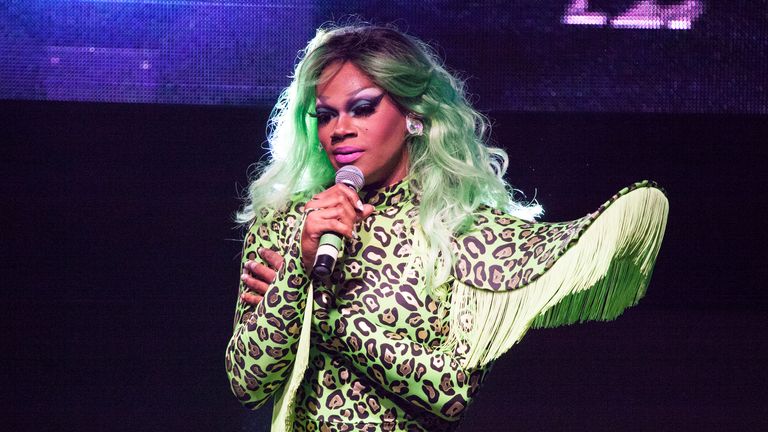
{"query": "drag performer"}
[(441, 271)]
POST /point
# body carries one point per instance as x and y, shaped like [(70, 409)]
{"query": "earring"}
[(414, 125)]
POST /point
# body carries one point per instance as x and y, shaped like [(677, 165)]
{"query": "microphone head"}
[(351, 176)]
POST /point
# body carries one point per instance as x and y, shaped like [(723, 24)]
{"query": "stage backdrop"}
[(524, 55), (127, 128)]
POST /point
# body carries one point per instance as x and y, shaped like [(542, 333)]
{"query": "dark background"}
[(119, 264)]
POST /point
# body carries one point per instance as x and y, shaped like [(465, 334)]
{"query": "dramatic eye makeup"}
[(365, 106), (322, 115), (362, 106)]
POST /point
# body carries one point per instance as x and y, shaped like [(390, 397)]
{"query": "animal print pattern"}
[(375, 361), (507, 253), (263, 346)]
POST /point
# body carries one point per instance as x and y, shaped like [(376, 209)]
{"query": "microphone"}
[(330, 242)]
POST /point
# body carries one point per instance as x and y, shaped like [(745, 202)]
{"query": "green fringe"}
[(605, 301), (606, 270)]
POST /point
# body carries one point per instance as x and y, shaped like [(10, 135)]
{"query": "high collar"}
[(393, 195)]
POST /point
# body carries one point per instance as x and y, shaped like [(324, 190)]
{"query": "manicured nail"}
[(243, 277), (360, 205), (258, 251)]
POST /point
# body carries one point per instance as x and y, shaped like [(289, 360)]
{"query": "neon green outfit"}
[(374, 351)]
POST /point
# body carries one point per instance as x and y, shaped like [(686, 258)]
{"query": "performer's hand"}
[(256, 276), (336, 209)]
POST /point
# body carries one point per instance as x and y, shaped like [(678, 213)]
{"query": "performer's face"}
[(358, 124)]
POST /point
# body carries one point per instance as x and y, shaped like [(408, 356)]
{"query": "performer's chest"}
[(378, 277)]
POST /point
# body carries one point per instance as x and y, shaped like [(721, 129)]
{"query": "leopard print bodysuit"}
[(377, 359)]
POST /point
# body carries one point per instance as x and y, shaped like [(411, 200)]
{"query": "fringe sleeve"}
[(511, 275)]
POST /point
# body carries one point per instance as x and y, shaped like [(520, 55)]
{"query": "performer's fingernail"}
[(258, 251), (360, 205), (243, 277)]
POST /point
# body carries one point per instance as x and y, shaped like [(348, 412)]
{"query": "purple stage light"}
[(527, 56), (232, 52), (644, 14), (578, 13)]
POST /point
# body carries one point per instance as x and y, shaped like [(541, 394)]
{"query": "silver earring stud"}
[(414, 125)]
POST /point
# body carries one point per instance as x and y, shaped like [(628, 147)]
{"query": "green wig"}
[(451, 166)]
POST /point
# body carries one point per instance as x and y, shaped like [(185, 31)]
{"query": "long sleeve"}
[(415, 372), (376, 351), (513, 275), (262, 348)]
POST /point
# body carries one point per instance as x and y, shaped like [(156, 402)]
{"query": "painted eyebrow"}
[(351, 103), (352, 93)]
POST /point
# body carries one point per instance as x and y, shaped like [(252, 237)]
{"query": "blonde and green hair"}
[(451, 166)]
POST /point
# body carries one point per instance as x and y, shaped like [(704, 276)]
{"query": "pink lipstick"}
[(347, 154)]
